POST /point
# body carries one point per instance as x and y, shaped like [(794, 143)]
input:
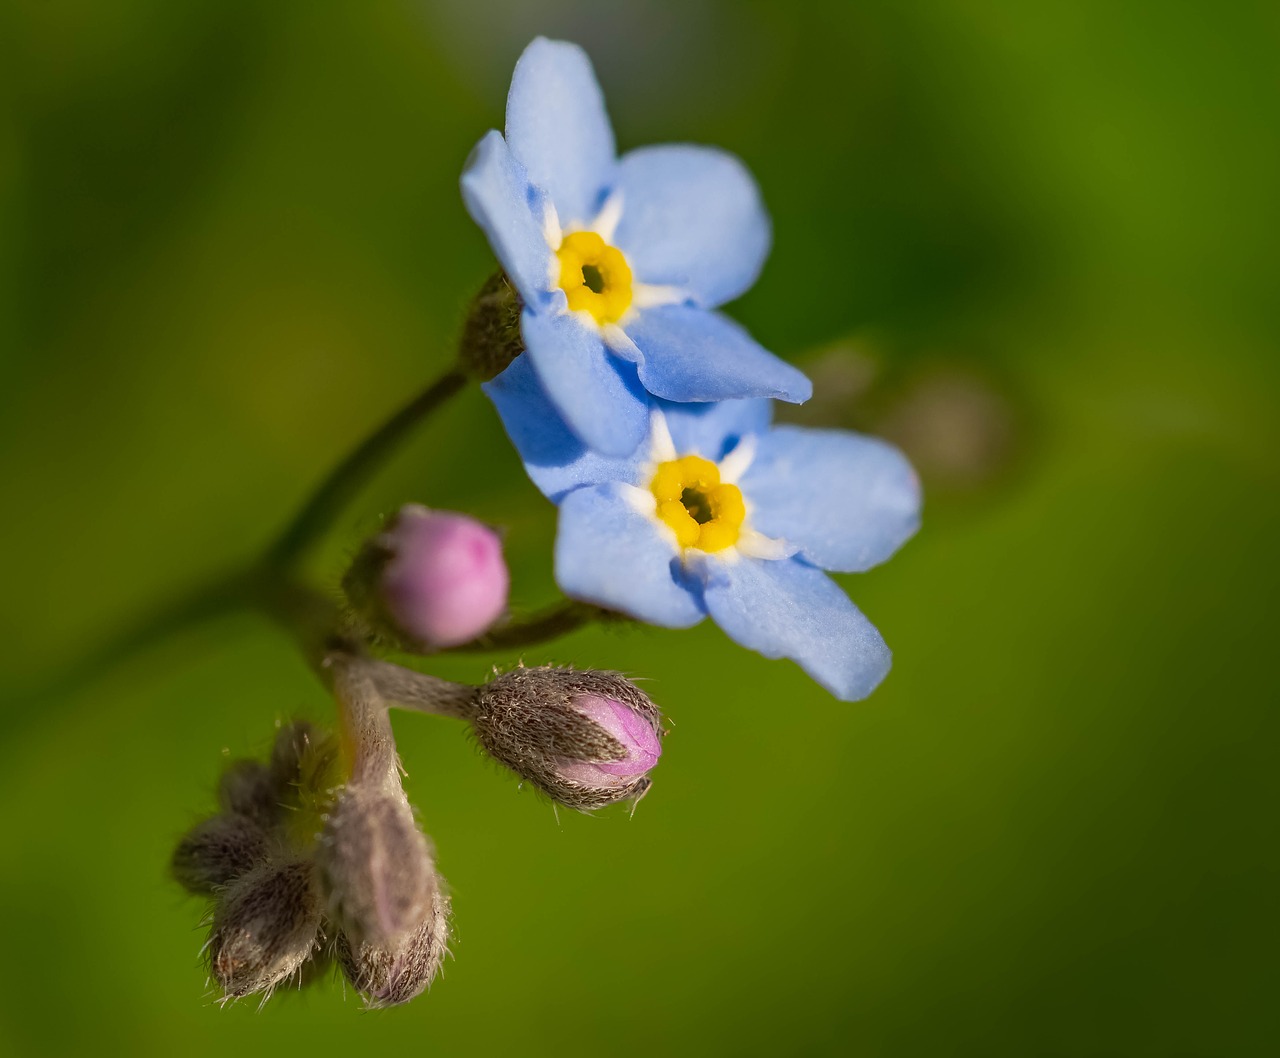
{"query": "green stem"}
[(267, 583), (364, 726), (547, 624), (202, 603), (313, 619), (325, 504)]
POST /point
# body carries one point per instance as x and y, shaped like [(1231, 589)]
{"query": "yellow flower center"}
[(595, 276), (704, 513)]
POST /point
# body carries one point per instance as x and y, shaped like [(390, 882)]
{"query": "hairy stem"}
[(314, 620), (419, 691), (368, 743), (336, 653), (309, 616), (202, 603), (327, 502)]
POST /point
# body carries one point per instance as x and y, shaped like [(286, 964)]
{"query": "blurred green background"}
[(1035, 243)]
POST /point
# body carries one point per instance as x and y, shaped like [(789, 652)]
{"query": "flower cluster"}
[(620, 262), (643, 413), (640, 410)]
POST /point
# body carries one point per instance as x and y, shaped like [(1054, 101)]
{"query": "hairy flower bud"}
[(388, 975), (264, 928), (430, 579), (586, 739), (247, 788), (216, 852), (375, 867)]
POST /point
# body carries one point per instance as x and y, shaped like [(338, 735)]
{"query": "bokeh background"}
[(1034, 243)]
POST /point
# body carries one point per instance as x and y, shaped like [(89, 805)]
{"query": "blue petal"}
[(611, 554), (597, 395), (558, 129), (692, 218), (714, 430), (691, 354), (788, 609), (553, 457), (847, 501), (500, 199)]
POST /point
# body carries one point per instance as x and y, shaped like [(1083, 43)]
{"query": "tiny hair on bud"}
[(388, 976), (217, 851), (585, 739), (292, 742), (375, 867), (265, 927), (247, 788)]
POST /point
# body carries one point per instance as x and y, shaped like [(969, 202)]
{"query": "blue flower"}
[(620, 262), (721, 514)]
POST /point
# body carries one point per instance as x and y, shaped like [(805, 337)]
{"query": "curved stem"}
[(550, 623), (364, 728), (318, 513), (333, 649), (266, 583), (207, 601), (313, 619), (420, 691)]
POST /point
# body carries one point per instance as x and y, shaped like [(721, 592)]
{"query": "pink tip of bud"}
[(446, 581), (633, 731)]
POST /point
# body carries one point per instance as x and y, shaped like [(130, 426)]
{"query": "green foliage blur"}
[(1036, 243)]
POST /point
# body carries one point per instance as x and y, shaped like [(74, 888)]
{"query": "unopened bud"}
[(430, 579), (586, 739), (265, 928), (386, 976), (247, 788), (375, 867), (216, 852)]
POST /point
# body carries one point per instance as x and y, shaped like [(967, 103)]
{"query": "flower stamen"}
[(703, 512), (594, 276)]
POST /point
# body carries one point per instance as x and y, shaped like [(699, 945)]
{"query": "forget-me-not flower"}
[(620, 262), (719, 513)]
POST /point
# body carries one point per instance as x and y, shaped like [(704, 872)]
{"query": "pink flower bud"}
[(431, 579), (586, 739), (633, 732)]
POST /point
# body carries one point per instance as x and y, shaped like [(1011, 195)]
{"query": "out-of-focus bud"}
[(374, 866), (216, 852), (387, 975), (960, 422), (247, 788), (307, 768), (491, 336), (586, 739), (293, 742), (265, 928), (304, 764), (430, 579)]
